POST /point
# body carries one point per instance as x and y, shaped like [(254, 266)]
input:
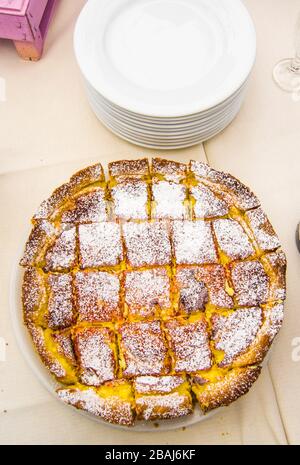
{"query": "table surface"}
[(47, 131)]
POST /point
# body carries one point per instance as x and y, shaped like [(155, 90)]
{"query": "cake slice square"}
[(143, 349), (136, 168), (226, 389), (237, 193), (219, 288), (263, 230), (130, 199), (113, 401), (147, 293), (64, 346), (206, 204), (168, 200), (96, 354), (193, 242), (200, 285), (232, 239), (275, 263), (189, 344), (192, 293), (34, 294), (168, 169), (100, 245), (147, 243), (250, 282), (60, 313), (97, 296), (41, 237), (162, 397), (61, 255), (88, 207), (233, 334)]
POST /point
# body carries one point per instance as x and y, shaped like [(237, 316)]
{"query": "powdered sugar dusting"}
[(62, 255), (193, 293), (95, 355), (60, 301), (250, 282), (190, 345), (39, 238), (232, 239), (100, 244), (157, 384), (147, 243), (130, 198), (129, 168), (97, 296), (163, 406), (274, 318), (51, 205), (193, 242), (241, 195), (89, 207), (277, 261), (143, 348), (233, 334), (169, 200), (33, 292), (88, 175), (47, 357), (146, 291), (169, 169), (111, 409), (141, 280), (198, 285), (215, 279), (263, 230), (207, 204)]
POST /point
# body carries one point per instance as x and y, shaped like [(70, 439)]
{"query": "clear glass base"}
[(287, 76)]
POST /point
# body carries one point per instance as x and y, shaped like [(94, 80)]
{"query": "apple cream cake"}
[(152, 289)]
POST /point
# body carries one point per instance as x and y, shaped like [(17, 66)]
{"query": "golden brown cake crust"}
[(129, 168), (48, 357), (155, 288), (62, 194), (110, 407), (233, 385), (170, 170)]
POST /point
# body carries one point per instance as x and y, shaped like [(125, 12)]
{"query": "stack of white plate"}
[(165, 73)]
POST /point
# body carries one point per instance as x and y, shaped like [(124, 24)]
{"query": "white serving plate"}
[(165, 58), (48, 381), (163, 143), (160, 125), (169, 133), (164, 122)]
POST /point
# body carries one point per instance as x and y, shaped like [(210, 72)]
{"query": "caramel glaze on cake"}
[(153, 290)]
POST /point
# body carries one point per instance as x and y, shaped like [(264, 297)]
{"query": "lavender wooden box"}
[(26, 23)]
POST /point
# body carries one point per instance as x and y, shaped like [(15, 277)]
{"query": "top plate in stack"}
[(165, 73)]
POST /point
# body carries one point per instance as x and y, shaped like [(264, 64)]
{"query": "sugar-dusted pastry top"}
[(151, 290)]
